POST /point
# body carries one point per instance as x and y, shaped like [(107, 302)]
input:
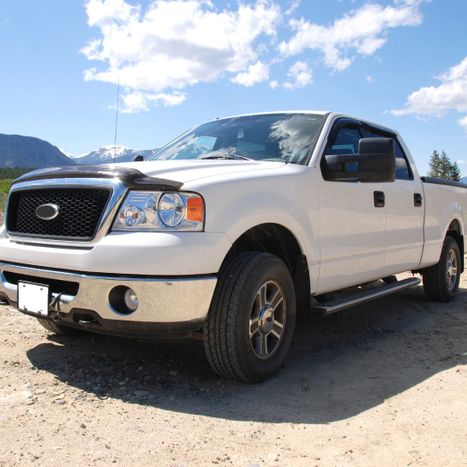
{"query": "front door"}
[(352, 220)]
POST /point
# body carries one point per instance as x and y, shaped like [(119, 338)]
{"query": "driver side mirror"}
[(374, 163)]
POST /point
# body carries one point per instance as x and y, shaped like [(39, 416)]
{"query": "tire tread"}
[(221, 330), (434, 280)]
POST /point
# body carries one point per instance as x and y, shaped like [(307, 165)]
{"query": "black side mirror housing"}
[(374, 163), (138, 158)]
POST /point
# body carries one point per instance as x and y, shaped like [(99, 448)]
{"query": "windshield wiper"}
[(227, 157)]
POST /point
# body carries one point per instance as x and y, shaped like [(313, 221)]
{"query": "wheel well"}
[(455, 231), (279, 241)]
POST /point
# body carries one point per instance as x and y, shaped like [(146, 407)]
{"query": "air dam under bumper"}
[(176, 305)]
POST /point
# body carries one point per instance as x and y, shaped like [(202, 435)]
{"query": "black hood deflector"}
[(132, 178)]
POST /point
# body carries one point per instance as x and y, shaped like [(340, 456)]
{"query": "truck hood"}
[(185, 171), (165, 175)]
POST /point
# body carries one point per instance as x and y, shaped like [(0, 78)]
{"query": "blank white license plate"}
[(33, 298)]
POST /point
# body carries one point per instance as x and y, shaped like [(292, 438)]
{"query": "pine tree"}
[(435, 162), (445, 166), (455, 172), (442, 167)]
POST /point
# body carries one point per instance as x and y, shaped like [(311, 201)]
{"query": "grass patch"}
[(4, 189), (5, 186)]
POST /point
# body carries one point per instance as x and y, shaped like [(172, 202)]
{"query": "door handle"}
[(379, 199), (417, 200)]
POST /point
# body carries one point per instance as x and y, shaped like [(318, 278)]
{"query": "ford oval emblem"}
[(47, 212)]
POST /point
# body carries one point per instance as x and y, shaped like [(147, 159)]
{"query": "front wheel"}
[(441, 281), (252, 318)]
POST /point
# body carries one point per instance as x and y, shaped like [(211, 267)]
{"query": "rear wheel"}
[(58, 329), (252, 318), (441, 281)]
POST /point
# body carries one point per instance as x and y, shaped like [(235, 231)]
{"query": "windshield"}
[(274, 137)]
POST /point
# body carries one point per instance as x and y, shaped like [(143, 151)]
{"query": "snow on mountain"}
[(111, 153)]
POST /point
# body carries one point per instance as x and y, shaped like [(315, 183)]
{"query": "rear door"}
[(404, 213)]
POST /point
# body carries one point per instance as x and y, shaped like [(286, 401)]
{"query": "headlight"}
[(158, 211), (171, 209)]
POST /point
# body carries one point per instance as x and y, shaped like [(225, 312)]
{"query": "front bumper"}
[(155, 254), (82, 300)]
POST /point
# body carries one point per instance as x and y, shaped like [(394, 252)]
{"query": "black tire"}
[(438, 281), (58, 329), (236, 309)]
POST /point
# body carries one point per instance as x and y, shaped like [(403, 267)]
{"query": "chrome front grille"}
[(80, 210)]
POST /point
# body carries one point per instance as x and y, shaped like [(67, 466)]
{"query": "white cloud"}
[(293, 5), (157, 51), (370, 79), (299, 76), (255, 73), (363, 30), (437, 101), (134, 102), (171, 45), (102, 13), (463, 123)]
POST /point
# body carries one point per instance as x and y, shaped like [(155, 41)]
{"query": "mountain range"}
[(26, 151), (111, 153), (30, 152)]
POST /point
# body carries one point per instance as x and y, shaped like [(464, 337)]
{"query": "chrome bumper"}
[(161, 300)]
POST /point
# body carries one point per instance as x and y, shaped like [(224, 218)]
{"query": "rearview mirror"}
[(374, 163)]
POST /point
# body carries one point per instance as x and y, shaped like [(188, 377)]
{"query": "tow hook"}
[(55, 307)]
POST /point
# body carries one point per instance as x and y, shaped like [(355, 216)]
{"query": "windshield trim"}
[(308, 158)]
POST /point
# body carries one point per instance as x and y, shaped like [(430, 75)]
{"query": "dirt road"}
[(383, 384)]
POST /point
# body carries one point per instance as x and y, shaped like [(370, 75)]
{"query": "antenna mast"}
[(116, 119)]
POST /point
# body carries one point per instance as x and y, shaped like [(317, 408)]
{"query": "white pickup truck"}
[(228, 231)]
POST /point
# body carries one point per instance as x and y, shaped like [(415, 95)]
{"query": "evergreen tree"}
[(435, 161), (442, 167), (445, 166), (455, 172)]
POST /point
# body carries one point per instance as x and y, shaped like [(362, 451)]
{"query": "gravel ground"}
[(382, 384)]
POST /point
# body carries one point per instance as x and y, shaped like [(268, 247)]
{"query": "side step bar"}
[(333, 306)]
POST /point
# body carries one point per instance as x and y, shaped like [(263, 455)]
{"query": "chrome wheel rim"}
[(451, 272), (267, 320)]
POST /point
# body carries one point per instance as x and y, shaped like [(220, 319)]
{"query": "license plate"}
[(33, 298)]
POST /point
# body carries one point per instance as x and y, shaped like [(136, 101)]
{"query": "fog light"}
[(131, 299), (123, 300)]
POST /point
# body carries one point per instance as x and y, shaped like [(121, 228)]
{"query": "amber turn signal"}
[(195, 210)]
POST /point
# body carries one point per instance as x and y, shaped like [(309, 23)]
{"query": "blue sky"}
[(401, 63)]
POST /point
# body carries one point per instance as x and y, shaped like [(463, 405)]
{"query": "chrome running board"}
[(341, 303)]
